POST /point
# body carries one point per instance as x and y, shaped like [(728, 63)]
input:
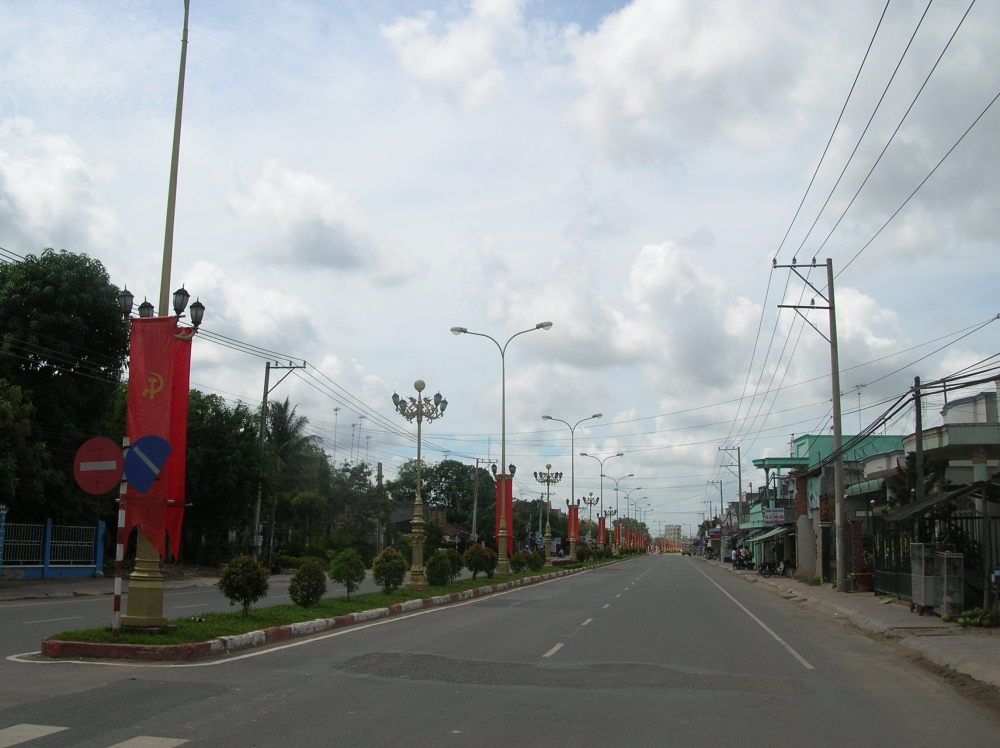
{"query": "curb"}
[(228, 644), (930, 650)]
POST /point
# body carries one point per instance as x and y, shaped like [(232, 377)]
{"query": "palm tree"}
[(289, 447)]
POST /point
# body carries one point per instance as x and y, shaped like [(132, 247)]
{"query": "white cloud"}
[(316, 226), (48, 195), (458, 58)]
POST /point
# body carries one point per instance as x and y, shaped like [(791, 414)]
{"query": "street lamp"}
[(602, 461), (419, 408), (617, 481), (548, 478), (503, 564), (572, 453), (590, 500)]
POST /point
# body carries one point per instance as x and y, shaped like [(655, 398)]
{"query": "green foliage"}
[(477, 560), (519, 561), (63, 344), (348, 568), (389, 570), (537, 561), (308, 584), (492, 566), (433, 536), (243, 581), (438, 569), (583, 553), (455, 564), (21, 451), (448, 485), (223, 471)]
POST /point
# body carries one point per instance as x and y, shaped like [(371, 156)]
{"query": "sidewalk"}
[(972, 651), (32, 589)]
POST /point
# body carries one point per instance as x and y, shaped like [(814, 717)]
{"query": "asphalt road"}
[(24, 623), (653, 651)]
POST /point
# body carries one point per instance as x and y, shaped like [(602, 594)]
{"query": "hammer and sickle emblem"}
[(155, 385)]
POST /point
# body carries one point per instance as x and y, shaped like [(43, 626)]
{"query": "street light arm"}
[(539, 326), (488, 337)]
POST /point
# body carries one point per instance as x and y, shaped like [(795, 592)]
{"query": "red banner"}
[(601, 531), (502, 482), (150, 382), (177, 463), (618, 535)]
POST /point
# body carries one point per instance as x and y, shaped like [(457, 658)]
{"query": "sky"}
[(356, 178)]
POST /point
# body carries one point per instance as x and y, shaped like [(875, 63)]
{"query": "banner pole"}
[(120, 550)]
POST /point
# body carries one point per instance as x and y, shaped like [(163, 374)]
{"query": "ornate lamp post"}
[(617, 481), (548, 478), (602, 461), (419, 408), (503, 563), (590, 500)]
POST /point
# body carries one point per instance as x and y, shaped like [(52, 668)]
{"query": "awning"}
[(773, 534), (940, 498), (865, 486), (748, 538)]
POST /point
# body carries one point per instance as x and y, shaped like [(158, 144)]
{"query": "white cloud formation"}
[(48, 195), (458, 58), (316, 226)]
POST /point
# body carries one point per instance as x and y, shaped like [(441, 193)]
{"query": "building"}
[(672, 533)]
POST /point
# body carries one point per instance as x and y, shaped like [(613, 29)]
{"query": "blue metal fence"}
[(30, 551)]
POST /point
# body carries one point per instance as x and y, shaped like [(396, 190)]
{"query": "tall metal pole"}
[(838, 431), (260, 443), (503, 563), (168, 236)]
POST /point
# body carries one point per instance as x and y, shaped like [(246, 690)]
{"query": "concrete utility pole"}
[(168, 236), (475, 497), (838, 434), (739, 480), (257, 537), (919, 451)]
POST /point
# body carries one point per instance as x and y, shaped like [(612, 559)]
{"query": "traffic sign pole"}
[(120, 551)]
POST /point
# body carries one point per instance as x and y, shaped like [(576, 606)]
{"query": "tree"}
[(243, 581), (438, 569), (308, 584), (223, 471), (348, 568), (477, 560), (22, 455), (389, 570), (64, 343)]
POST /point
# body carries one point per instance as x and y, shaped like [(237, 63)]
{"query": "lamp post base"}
[(145, 590), (417, 580), (548, 547), (572, 550)]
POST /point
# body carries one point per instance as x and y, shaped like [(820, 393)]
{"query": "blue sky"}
[(356, 178)]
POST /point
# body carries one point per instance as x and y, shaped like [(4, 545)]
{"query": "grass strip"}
[(208, 626)]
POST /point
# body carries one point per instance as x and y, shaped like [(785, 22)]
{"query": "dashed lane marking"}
[(49, 620), (619, 594), (606, 605), (552, 651), (147, 741), (763, 625), (587, 621), (24, 732), (199, 605)]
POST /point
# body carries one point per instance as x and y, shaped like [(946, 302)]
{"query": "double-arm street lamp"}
[(602, 460), (419, 408), (548, 478), (572, 448), (503, 563)]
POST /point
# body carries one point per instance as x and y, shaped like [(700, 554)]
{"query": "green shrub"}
[(243, 581), (583, 553), (455, 564), (389, 570), (348, 568), (308, 584), (519, 561), (438, 569), (537, 561), (477, 560), (494, 560)]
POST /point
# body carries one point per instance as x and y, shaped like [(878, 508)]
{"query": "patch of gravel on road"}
[(426, 667)]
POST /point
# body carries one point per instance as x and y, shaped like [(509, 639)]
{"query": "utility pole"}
[(257, 537), (739, 479), (475, 496), (838, 433), (919, 418)]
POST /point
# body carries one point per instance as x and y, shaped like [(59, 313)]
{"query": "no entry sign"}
[(98, 465)]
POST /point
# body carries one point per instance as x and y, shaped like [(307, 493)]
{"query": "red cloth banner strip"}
[(150, 383), (177, 463), (505, 493)]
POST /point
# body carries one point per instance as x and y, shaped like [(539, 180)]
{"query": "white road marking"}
[(199, 605), (619, 594), (49, 620), (290, 645), (763, 625), (587, 621), (145, 741), (24, 732), (606, 605), (552, 651)]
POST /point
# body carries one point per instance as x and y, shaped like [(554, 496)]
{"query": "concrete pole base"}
[(145, 590)]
